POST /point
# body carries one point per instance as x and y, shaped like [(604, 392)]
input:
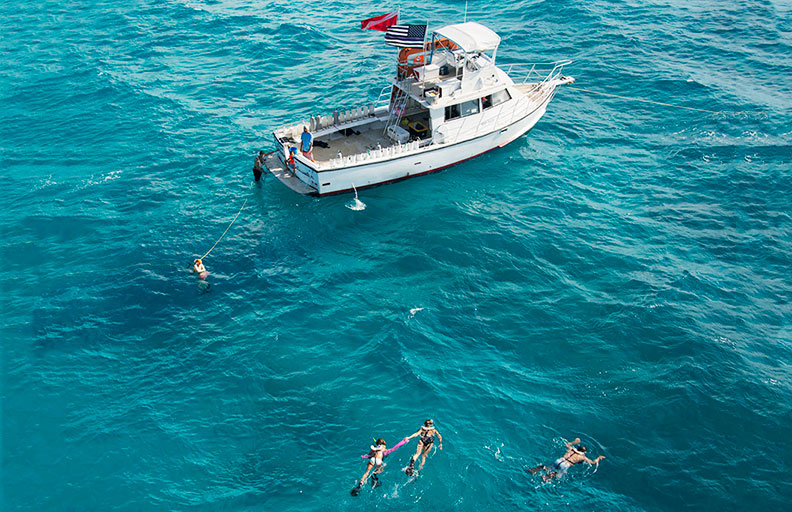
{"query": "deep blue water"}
[(622, 274)]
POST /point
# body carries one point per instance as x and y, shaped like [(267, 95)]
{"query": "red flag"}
[(380, 22)]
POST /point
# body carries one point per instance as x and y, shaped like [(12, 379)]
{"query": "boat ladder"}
[(397, 107)]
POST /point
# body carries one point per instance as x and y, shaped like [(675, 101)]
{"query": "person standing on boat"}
[(291, 165), (575, 454), (258, 165), (427, 433), (306, 143)]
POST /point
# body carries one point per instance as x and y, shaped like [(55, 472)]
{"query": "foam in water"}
[(356, 204)]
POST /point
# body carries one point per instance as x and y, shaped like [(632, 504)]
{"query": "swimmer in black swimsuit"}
[(427, 434), (575, 454)]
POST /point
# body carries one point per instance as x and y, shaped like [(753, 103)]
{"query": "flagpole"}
[(423, 50), (398, 13)]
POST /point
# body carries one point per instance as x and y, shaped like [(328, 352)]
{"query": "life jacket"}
[(408, 64)]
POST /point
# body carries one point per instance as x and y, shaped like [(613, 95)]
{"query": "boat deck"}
[(352, 141), (276, 168)]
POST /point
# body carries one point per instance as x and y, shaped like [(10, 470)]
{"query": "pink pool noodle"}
[(387, 452)]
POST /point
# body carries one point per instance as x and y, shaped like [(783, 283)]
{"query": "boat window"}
[(486, 102), (451, 112), (501, 96), (468, 108)]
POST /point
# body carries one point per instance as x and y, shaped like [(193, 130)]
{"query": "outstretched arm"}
[(595, 461), (570, 443), (414, 435), (440, 438)]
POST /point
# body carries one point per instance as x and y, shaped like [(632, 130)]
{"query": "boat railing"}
[(378, 154), (358, 115), (538, 71), (384, 93)]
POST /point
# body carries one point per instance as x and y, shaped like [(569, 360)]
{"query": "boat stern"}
[(275, 164)]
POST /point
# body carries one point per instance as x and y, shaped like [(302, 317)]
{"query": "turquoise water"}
[(622, 274)]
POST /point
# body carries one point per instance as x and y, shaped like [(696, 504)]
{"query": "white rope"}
[(642, 100), (229, 226)]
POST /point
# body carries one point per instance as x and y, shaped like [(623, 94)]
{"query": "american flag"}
[(406, 36)]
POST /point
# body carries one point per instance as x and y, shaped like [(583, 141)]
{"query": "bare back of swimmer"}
[(575, 454)]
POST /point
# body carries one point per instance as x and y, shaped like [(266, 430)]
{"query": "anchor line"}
[(642, 100), (229, 226)]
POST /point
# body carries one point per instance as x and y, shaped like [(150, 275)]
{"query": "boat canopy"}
[(471, 36)]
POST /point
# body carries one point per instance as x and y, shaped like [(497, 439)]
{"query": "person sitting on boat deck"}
[(258, 166), (427, 434), (376, 453), (306, 143), (291, 165), (575, 454), (198, 268)]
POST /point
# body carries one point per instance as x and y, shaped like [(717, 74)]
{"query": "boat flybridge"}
[(447, 103)]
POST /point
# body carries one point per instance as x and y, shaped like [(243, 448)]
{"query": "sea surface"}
[(622, 274)]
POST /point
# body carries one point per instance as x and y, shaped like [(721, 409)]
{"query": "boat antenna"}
[(465, 20)]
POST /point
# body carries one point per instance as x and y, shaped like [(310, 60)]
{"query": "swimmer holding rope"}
[(575, 454), (198, 268), (427, 433)]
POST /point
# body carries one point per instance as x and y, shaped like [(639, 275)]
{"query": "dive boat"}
[(448, 102)]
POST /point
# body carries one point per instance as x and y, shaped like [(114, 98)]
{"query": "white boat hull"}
[(420, 161)]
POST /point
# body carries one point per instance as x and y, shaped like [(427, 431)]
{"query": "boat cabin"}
[(433, 98)]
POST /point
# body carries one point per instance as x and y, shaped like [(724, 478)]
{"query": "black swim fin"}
[(535, 470), (550, 476), (356, 490), (375, 481)]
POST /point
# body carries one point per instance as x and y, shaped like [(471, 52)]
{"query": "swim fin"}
[(356, 490), (375, 481), (410, 470), (535, 470)]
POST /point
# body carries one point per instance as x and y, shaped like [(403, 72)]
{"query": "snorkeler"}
[(376, 454), (427, 434), (198, 268), (575, 454), (258, 165)]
